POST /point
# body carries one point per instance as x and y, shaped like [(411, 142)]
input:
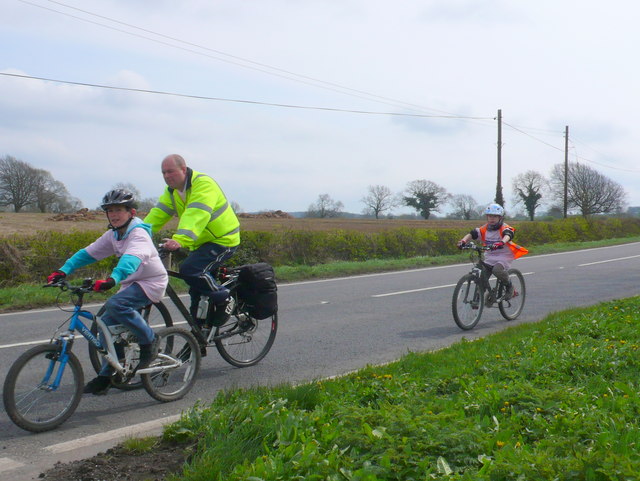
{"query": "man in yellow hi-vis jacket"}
[(207, 226)]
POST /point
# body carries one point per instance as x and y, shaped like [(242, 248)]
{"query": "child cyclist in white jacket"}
[(139, 271), (497, 235)]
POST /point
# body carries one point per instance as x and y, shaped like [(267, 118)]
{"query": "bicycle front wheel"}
[(174, 371), (244, 341), (468, 302), (31, 400), (155, 314), (512, 308)]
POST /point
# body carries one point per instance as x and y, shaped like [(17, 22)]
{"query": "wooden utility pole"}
[(499, 199), (566, 170)]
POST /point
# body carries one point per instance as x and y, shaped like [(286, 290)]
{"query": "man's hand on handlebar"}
[(170, 245)]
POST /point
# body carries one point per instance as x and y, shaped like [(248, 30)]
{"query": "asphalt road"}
[(326, 328)]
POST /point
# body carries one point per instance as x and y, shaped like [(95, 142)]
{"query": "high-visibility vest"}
[(205, 213), (518, 251)]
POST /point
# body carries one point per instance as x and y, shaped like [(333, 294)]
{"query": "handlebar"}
[(476, 247), (65, 285)]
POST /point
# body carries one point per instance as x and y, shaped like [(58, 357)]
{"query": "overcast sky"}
[(283, 100)]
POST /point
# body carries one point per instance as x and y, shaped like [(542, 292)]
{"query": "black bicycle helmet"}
[(118, 197)]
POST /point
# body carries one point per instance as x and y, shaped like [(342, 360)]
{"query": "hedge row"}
[(31, 258)]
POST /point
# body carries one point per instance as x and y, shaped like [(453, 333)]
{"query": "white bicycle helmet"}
[(494, 209)]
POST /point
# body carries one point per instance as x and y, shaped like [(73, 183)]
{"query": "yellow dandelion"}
[(500, 444)]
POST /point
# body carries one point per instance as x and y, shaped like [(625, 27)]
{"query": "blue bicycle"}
[(44, 385)]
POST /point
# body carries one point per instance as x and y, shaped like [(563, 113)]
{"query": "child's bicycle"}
[(44, 385), (474, 291)]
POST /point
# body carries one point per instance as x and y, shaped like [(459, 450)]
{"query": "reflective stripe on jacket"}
[(205, 214), (518, 251)]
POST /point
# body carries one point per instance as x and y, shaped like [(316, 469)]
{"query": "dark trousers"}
[(198, 268)]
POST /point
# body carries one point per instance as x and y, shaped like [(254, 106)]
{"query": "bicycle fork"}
[(57, 363)]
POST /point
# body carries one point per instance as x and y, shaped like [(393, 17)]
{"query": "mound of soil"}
[(82, 214), (118, 464), (273, 214)]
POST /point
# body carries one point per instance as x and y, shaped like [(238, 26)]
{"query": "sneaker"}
[(148, 353), (489, 300), (511, 292), (98, 386)]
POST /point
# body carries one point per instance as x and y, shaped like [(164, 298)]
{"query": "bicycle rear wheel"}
[(29, 399), (468, 302), (512, 308), (244, 341), (155, 315), (175, 369)]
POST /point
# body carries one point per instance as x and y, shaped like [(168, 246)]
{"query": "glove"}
[(461, 244), (104, 284), (55, 276), (497, 245)]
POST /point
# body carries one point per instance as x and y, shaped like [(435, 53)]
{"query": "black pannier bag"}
[(258, 290)]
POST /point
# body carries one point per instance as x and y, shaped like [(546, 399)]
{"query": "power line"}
[(282, 73), (578, 157), (221, 99)]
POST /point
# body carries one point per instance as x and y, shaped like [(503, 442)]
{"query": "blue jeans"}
[(197, 269), (122, 308)]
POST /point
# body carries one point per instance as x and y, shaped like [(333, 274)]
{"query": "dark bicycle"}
[(477, 290), (242, 337)]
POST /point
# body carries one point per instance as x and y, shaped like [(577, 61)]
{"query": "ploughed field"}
[(30, 223)]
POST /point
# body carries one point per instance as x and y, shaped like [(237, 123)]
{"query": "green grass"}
[(140, 445), (30, 296), (553, 400)]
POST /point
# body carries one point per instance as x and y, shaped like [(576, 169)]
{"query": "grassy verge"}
[(30, 296), (554, 400)]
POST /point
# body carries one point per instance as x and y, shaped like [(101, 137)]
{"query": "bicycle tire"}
[(156, 313), (244, 341), (467, 303), (173, 383), (512, 308), (30, 406)]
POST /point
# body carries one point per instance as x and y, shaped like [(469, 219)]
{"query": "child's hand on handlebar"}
[(461, 245), (497, 245), (55, 276)]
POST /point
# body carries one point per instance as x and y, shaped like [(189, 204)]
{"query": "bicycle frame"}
[(107, 351), (230, 283)]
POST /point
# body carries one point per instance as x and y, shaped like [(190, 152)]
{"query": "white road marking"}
[(129, 431), (608, 260), (7, 464), (397, 293), (78, 337)]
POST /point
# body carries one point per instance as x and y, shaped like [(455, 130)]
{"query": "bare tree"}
[(528, 189), (17, 183), (51, 195), (143, 205), (425, 196), (587, 190), (236, 207), (465, 207), (325, 206), (129, 187), (378, 200)]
